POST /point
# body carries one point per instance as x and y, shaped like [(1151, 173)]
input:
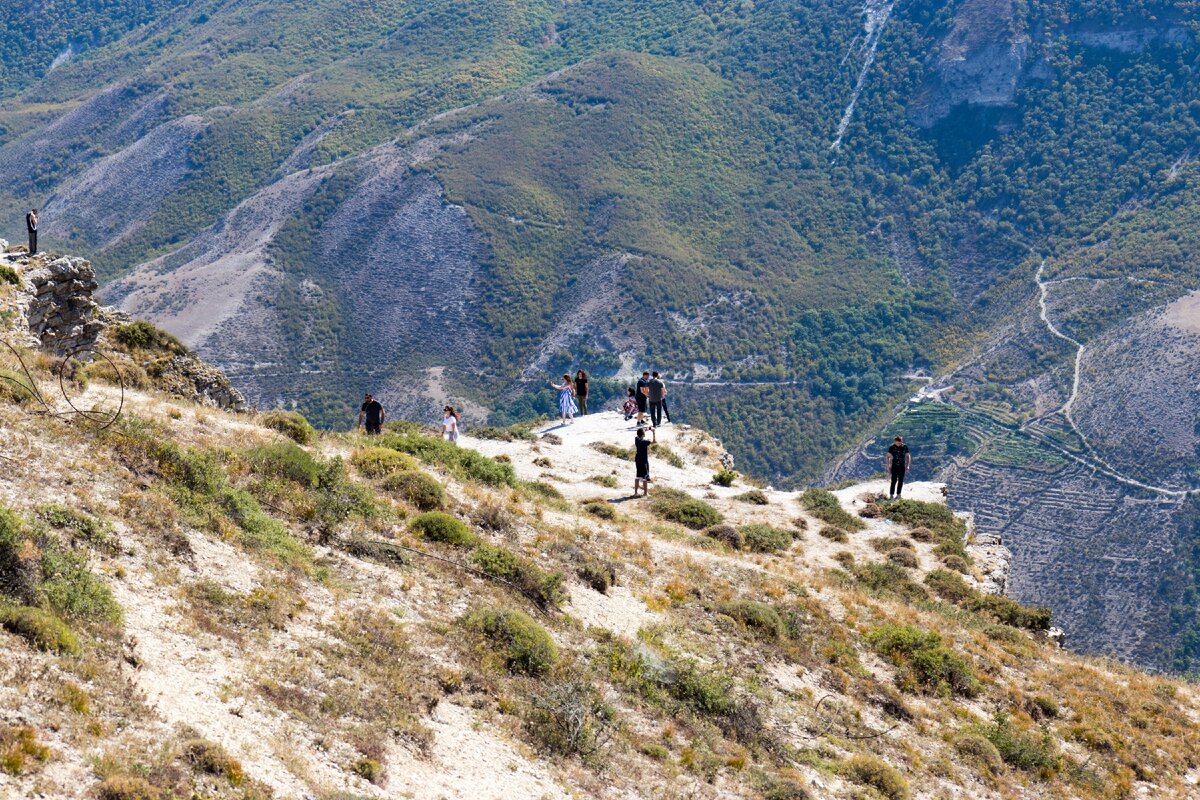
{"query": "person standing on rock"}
[(450, 424), (642, 395), (581, 391), (566, 399), (31, 227), (656, 390), (641, 459), (896, 463), (373, 414)]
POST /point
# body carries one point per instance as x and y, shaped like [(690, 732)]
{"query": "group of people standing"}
[(648, 396), (372, 414), (572, 396)]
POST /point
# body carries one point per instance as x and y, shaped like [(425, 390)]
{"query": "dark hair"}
[(580, 374), (899, 438), (567, 377), (645, 372), (655, 373), (641, 432), (630, 390)]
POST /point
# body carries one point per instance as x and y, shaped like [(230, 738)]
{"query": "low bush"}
[(903, 558), (824, 506), (979, 751), (755, 497), (127, 787), (291, 424), (956, 563), (887, 578), (660, 450), (877, 774), (884, 544), (379, 462), (924, 662), (614, 451), (41, 629), (727, 534), (923, 534), (461, 462), (608, 481), (543, 588), (571, 718), (677, 506), (20, 749), (704, 691), (493, 517), (9, 275), (599, 574), (417, 488), (933, 516), (1025, 750), (833, 534), (952, 588), (759, 617), (73, 591), (285, 460), (16, 388), (526, 647), (212, 759), (509, 433), (438, 526), (600, 509), (724, 477), (543, 490), (763, 538), (368, 769), (141, 335), (82, 527)]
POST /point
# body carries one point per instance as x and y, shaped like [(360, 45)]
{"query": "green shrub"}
[(418, 488), (949, 586), (609, 481), (212, 759), (18, 747), (924, 662), (724, 477), (368, 769), (127, 787), (757, 616), (614, 451), (729, 535), (763, 538), (459, 461), (379, 462), (755, 497), (888, 579), (956, 563), (16, 388), (82, 527), (20, 560), (73, 591), (903, 558), (285, 460), (544, 588), (824, 506), (600, 509), (525, 645), (438, 526), (677, 506), (509, 433), (833, 534), (1024, 750), (704, 691), (878, 774), (979, 751), (543, 489), (141, 335), (9, 275), (933, 516), (291, 424), (42, 630), (599, 574), (660, 450)]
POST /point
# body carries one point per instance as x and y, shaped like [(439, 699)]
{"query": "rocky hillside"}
[(197, 601)]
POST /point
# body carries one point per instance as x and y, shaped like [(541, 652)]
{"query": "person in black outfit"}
[(896, 462), (31, 227), (656, 390), (373, 414), (642, 392), (581, 387), (641, 460)]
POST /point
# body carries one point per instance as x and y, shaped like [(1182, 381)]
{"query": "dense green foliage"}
[(924, 661), (524, 645)]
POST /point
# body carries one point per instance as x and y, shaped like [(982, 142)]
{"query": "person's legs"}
[(656, 412), (892, 487), (32, 242), (666, 410), (583, 406), (899, 484)]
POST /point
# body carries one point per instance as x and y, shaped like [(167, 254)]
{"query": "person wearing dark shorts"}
[(896, 462), (372, 414), (656, 393), (642, 398), (641, 460)]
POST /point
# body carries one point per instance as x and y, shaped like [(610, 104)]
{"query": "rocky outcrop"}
[(56, 303)]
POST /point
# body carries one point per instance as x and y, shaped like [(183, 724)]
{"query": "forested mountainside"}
[(790, 206)]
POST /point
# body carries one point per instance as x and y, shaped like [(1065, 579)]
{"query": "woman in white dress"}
[(450, 424)]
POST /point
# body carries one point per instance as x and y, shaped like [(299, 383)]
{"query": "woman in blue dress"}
[(566, 399)]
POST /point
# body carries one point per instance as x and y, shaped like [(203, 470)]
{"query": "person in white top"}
[(450, 424)]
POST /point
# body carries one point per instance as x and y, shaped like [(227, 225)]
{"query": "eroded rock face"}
[(57, 304)]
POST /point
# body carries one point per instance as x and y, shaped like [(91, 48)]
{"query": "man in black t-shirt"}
[(896, 462), (656, 390), (641, 395), (372, 414)]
